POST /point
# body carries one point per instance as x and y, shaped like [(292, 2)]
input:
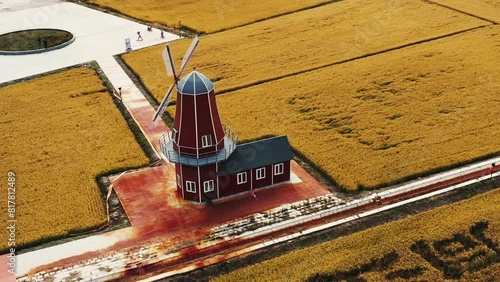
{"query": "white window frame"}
[(241, 178), (174, 134), (206, 140), (209, 184), (278, 169), (259, 175), (179, 181), (190, 186)]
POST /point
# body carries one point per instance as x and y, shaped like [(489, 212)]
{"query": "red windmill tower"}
[(198, 141), (202, 148)]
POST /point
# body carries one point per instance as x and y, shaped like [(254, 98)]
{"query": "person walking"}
[(252, 193), (139, 37)]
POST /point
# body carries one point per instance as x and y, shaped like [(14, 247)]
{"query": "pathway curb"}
[(37, 51)]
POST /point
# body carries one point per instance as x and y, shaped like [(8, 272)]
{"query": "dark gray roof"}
[(195, 83), (257, 154)]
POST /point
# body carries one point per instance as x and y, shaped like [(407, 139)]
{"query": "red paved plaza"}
[(154, 207)]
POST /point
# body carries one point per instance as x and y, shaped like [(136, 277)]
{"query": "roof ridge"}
[(264, 139), (190, 89), (203, 81)]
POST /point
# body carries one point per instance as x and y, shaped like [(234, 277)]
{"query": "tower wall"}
[(197, 116)]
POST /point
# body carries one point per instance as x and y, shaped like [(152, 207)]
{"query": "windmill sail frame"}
[(170, 67)]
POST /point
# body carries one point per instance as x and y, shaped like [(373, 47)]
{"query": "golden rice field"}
[(205, 15), (57, 156), (488, 9), (443, 244), (303, 41), (386, 117)]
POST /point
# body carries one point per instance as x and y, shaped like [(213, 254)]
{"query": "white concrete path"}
[(97, 35), (31, 260), (135, 102), (14, 5)]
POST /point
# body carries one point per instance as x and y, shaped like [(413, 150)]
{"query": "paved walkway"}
[(179, 241), (138, 106), (14, 5), (97, 35)]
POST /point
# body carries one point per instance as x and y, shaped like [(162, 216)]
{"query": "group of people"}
[(150, 28)]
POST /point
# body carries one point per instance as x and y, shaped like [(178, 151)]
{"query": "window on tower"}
[(241, 178), (191, 186), (206, 140), (208, 186), (261, 173)]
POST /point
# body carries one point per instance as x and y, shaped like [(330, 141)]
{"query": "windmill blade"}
[(169, 61), (164, 103), (189, 54)]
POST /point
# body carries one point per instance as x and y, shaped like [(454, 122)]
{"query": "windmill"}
[(204, 150), (169, 65)]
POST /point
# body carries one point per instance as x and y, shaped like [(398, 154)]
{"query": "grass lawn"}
[(33, 39)]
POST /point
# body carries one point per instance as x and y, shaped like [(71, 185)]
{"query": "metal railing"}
[(167, 147)]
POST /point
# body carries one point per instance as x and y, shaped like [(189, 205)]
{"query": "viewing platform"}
[(167, 148)]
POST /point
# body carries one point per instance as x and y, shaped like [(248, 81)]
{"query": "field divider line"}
[(232, 89), (459, 11), (277, 16)]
